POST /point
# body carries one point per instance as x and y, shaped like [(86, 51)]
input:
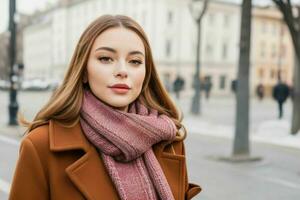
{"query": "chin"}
[(119, 105), (119, 102)]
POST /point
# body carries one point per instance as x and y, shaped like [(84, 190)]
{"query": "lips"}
[(120, 85), (120, 88)]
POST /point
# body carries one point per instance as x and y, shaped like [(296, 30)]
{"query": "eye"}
[(105, 59), (136, 62)]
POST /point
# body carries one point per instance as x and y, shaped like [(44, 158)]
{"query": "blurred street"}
[(277, 176)]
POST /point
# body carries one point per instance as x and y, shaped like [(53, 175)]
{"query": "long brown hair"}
[(65, 103)]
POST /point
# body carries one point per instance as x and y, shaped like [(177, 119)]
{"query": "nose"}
[(121, 70)]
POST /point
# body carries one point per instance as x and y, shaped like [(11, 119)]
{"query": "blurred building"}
[(50, 41), (219, 45), (38, 52), (272, 52)]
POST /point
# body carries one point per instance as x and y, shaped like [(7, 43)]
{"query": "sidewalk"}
[(272, 132), (14, 132), (265, 129)]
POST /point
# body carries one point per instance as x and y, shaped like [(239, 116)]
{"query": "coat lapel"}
[(88, 173)]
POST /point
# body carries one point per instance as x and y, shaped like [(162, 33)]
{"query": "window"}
[(209, 50), (222, 82), (264, 27), (282, 30), (193, 49), (226, 20), (273, 51), (261, 73), (168, 48), (273, 74), (283, 51), (170, 17), (282, 73), (211, 18), (274, 29), (224, 52), (262, 50)]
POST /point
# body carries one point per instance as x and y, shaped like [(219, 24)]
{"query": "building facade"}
[(272, 53), (171, 31)]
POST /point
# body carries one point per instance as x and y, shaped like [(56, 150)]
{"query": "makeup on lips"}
[(120, 88)]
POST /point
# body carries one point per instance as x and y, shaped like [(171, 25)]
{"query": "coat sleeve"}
[(29, 180)]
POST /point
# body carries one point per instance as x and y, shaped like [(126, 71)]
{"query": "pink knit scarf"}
[(124, 140)]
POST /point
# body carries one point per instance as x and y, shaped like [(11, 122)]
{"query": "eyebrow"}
[(114, 51)]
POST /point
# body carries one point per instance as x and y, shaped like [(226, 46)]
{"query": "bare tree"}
[(241, 139), (291, 16), (196, 101)]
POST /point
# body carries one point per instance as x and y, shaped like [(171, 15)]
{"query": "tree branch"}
[(204, 9), (286, 10)]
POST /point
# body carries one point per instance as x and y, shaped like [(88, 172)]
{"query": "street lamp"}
[(197, 9), (13, 104)]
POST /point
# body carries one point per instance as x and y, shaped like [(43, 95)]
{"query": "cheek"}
[(139, 79), (97, 73)]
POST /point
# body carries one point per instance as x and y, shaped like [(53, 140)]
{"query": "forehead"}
[(120, 39)]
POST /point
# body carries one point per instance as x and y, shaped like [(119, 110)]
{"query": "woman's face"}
[(117, 57)]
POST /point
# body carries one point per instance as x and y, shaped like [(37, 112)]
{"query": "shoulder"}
[(39, 135), (37, 140)]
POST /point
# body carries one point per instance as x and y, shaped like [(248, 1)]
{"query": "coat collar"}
[(79, 172), (66, 138)]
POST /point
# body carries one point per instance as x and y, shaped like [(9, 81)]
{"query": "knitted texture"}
[(124, 141)]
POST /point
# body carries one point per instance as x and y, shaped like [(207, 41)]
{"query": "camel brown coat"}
[(59, 163)]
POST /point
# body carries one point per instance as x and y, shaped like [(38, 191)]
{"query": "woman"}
[(110, 131)]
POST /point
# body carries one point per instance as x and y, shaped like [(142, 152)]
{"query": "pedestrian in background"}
[(110, 130), (233, 86), (178, 86), (207, 85), (280, 93), (260, 91)]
